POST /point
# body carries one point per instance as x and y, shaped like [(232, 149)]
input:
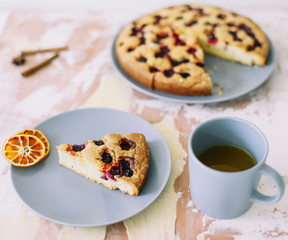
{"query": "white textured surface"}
[(86, 87)]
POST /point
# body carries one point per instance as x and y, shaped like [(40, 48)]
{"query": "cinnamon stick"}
[(32, 52), (38, 66)]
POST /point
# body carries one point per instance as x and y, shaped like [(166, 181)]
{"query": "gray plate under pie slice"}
[(63, 196), (237, 79)]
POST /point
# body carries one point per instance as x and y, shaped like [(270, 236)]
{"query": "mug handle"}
[(261, 198)]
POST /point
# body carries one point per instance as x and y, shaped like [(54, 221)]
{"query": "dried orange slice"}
[(41, 136), (23, 150)]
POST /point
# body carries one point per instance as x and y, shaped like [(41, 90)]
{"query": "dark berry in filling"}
[(185, 75), (134, 31), (127, 172), (199, 10), (125, 145), (250, 48), (142, 40), (175, 63), (230, 24), (142, 59), (257, 43), (130, 49), (235, 37), (185, 60), (250, 33), (191, 23), (78, 148), (153, 69), (168, 73), (164, 50), (212, 38), (123, 164), (191, 50), (200, 64), (162, 36), (106, 157), (98, 142), (207, 24), (157, 19), (131, 160), (114, 171), (179, 18), (246, 29), (178, 41), (221, 16)]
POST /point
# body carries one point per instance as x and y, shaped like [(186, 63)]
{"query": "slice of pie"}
[(117, 162), (164, 50)]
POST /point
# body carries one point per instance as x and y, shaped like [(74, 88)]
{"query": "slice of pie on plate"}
[(117, 162)]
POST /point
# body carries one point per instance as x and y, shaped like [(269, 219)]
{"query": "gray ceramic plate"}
[(63, 196), (237, 79)]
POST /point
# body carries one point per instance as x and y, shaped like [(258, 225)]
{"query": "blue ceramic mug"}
[(226, 195)]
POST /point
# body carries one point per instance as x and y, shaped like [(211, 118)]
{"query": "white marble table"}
[(83, 76)]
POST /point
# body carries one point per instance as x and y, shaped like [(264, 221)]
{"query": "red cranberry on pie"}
[(178, 41), (212, 38)]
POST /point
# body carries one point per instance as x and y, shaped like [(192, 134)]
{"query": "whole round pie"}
[(164, 50)]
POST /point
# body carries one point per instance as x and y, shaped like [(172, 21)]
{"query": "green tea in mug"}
[(227, 158)]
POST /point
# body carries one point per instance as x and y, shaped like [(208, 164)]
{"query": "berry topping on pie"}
[(115, 161), (161, 49), (106, 157), (78, 148), (98, 142)]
